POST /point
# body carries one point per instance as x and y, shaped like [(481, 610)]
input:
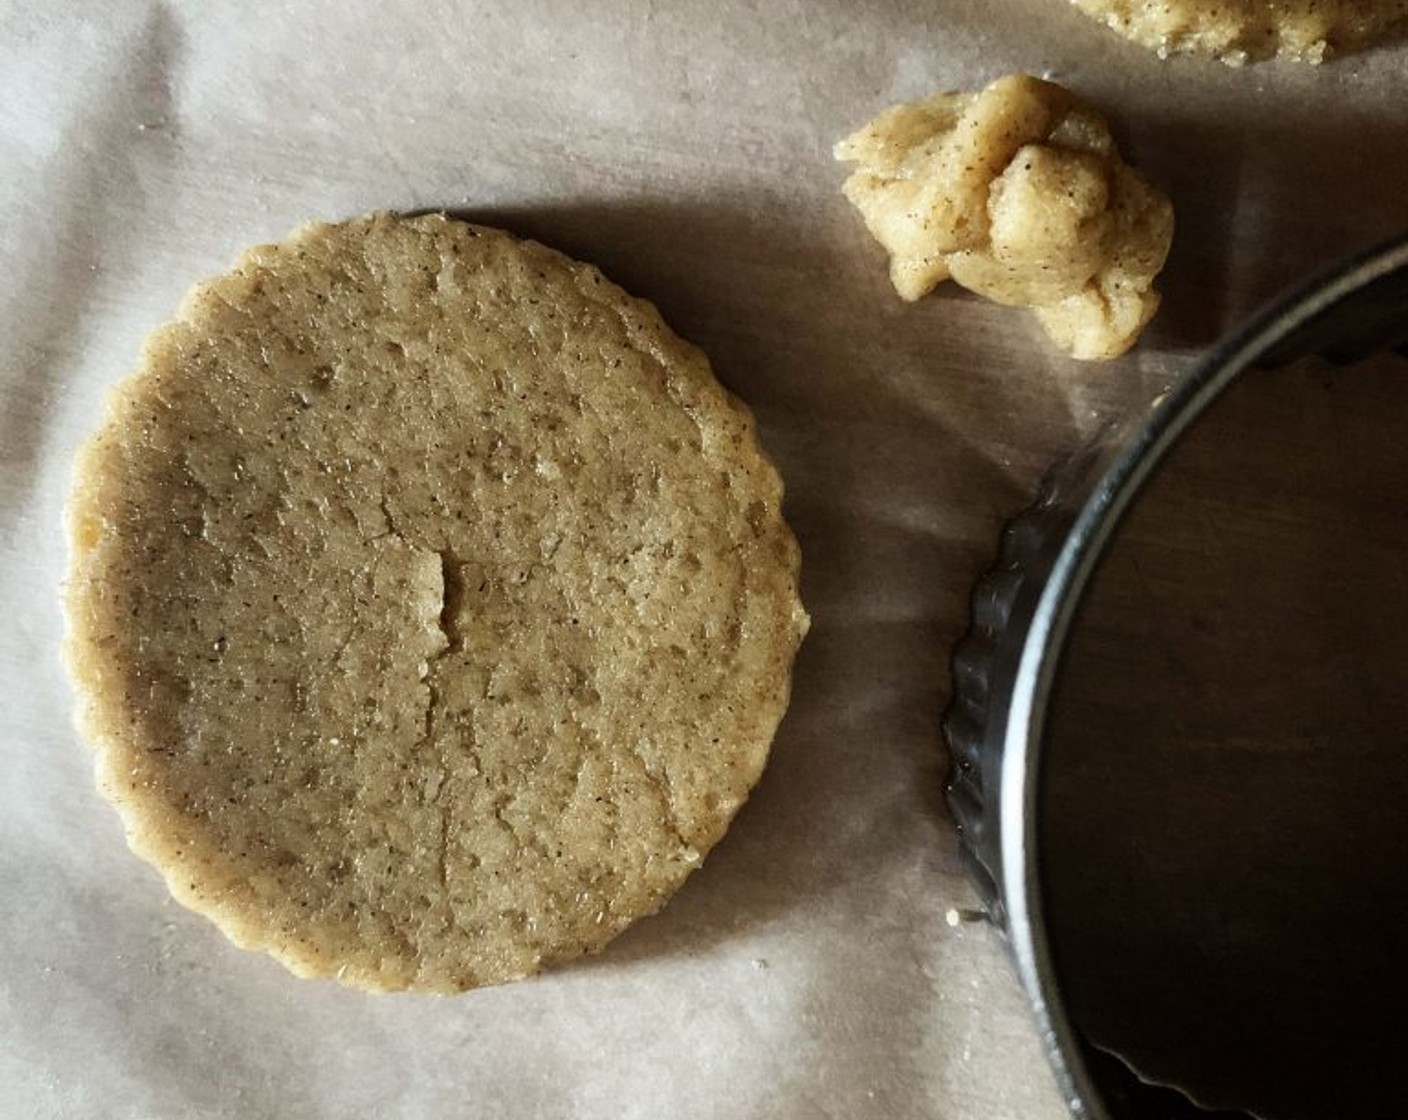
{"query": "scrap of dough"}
[(1018, 194), (1239, 31), (431, 605)]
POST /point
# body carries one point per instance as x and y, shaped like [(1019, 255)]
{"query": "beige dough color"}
[(1018, 194), (1239, 31), (431, 607)]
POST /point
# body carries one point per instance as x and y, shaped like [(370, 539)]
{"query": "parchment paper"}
[(806, 971)]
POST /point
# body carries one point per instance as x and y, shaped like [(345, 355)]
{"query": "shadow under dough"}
[(868, 406), (1266, 204)]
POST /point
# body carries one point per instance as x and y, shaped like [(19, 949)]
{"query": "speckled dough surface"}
[(1240, 31), (431, 607)]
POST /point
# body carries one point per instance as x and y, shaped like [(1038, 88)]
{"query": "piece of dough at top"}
[(1240, 31)]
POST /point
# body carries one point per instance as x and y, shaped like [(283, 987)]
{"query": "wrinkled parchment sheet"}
[(807, 970)]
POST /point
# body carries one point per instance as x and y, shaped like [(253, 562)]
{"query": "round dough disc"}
[(431, 606)]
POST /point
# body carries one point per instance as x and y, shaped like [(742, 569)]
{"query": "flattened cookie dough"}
[(431, 606), (1018, 194), (1239, 31)]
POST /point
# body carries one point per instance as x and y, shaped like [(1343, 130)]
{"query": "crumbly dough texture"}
[(1239, 31), (431, 607), (1018, 194)]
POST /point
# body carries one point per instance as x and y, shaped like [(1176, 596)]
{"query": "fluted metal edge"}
[(1021, 610)]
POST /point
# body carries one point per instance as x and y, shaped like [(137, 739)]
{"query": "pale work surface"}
[(807, 970)]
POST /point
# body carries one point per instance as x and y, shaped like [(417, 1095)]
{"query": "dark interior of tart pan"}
[(1224, 800)]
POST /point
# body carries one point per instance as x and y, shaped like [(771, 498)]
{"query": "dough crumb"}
[(1019, 194)]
